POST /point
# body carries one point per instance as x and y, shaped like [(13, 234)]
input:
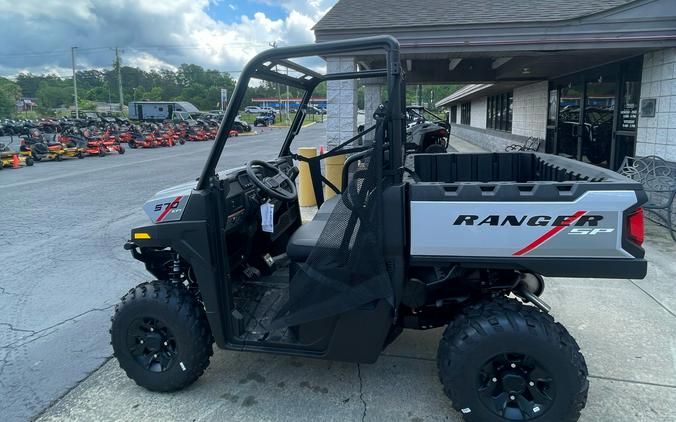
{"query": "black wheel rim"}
[(515, 387), (151, 344)]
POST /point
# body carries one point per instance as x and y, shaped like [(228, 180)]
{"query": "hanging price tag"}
[(268, 217)]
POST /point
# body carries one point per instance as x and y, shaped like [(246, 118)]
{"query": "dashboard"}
[(244, 198)]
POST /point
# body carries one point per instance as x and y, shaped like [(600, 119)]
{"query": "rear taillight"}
[(443, 132), (635, 225)]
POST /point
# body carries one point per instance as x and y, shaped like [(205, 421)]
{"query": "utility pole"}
[(72, 57), (273, 44), (119, 78)]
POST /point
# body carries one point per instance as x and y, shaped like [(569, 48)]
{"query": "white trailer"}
[(158, 110)]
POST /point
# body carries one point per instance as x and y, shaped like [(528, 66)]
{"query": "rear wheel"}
[(502, 361), (435, 149), (160, 336), (29, 162), (120, 150)]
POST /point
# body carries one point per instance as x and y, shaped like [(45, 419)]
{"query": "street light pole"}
[(72, 56)]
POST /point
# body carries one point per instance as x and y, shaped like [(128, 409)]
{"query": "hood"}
[(169, 204)]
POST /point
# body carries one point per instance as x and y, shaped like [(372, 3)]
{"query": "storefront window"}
[(465, 112), (499, 112), (596, 117)]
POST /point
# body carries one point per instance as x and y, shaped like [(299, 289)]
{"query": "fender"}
[(192, 240)]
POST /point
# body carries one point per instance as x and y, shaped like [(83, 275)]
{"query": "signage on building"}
[(628, 115)]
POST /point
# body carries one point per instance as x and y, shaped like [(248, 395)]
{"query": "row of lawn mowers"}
[(24, 143)]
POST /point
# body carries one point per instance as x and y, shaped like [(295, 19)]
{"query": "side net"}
[(346, 269)]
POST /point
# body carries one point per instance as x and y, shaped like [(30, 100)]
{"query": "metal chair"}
[(531, 144)]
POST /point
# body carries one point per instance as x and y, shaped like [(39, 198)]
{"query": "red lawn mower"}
[(142, 139)]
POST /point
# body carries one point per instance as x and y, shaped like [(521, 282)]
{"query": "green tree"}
[(54, 95), (155, 94), (139, 93), (9, 93), (29, 83), (86, 104)]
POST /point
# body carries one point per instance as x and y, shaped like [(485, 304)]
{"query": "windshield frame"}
[(261, 67)]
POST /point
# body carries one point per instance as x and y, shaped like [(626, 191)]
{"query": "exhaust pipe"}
[(530, 287)]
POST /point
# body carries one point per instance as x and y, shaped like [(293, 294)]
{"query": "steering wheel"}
[(277, 185)]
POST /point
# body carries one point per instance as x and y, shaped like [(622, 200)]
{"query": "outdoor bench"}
[(658, 177)]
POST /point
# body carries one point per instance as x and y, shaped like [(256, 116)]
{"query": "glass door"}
[(596, 131), (568, 140)]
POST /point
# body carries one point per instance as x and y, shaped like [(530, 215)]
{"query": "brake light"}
[(636, 229), (443, 132)]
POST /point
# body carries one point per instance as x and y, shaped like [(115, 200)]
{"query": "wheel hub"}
[(151, 344), (515, 387), (513, 383), (153, 341)]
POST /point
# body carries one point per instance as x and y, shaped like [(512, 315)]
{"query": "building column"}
[(372, 99), (341, 97), (656, 135)]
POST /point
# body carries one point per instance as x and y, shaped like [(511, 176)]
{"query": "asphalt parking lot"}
[(63, 227), (68, 268)]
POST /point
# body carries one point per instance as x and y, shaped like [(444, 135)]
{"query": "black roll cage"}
[(262, 65)]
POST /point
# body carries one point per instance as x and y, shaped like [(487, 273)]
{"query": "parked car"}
[(269, 110), (315, 110), (253, 109)]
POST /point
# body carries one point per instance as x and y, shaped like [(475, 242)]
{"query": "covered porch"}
[(550, 72)]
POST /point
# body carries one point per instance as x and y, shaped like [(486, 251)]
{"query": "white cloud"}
[(37, 34)]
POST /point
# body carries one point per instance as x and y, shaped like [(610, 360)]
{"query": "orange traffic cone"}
[(321, 150), (15, 161)]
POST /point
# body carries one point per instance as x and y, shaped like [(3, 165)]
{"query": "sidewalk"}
[(456, 144), (626, 328)]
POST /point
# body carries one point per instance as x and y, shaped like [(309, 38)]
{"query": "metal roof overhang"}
[(522, 52)]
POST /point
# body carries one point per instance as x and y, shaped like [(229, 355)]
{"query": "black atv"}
[(233, 264), (265, 119)]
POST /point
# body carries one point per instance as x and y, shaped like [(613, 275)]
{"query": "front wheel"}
[(160, 336), (502, 361)]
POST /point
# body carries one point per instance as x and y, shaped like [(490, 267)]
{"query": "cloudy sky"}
[(36, 35)]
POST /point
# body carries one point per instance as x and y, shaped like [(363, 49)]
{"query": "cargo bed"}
[(530, 211)]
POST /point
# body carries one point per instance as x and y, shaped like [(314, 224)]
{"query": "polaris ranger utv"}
[(461, 240)]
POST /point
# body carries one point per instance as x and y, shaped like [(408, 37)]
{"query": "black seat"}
[(305, 238)]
